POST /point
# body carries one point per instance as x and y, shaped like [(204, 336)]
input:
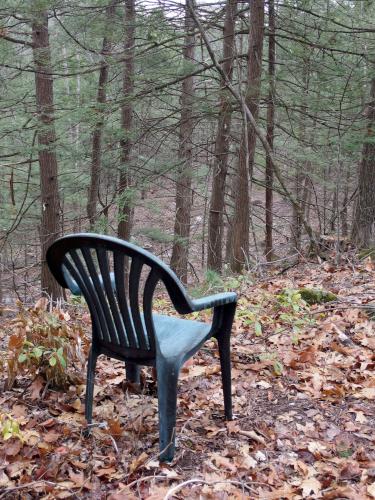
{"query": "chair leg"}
[(167, 399), (90, 385), (133, 373), (224, 353)]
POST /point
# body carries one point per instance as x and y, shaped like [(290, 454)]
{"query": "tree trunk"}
[(50, 223), (240, 234), (215, 223), (345, 202), (95, 168), (125, 185), (179, 259), (270, 129), (301, 168), (363, 230)]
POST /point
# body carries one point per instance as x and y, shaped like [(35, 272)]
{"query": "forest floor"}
[(304, 407)]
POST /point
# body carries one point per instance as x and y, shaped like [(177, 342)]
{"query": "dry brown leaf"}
[(193, 371), (285, 491), (30, 437), (224, 462), (369, 264), (138, 462), (13, 447), (36, 388), (5, 482), (351, 470), (19, 410), (311, 486), (79, 480), (360, 417), (253, 435), (366, 392), (115, 428), (346, 492), (371, 490), (78, 406), (51, 437), (105, 472), (15, 342)]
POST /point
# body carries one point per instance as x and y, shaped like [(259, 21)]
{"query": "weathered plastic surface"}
[(107, 272)]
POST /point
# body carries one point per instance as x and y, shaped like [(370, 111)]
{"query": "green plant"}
[(293, 311), (277, 365), (9, 427), (213, 282), (44, 343), (291, 299)]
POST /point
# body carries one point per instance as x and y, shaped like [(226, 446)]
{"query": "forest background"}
[(234, 139), (221, 136)]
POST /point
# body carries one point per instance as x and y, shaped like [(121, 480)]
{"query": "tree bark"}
[(270, 129), (50, 221), (215, 223), (314, 244), (126, 181), (241, 219), (179, 259), (301, 168), (95, 168), (344, 209), (363, 230)]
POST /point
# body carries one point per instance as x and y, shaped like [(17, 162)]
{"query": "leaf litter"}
[(303, 392)]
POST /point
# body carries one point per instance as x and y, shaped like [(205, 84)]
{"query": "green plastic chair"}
[(124, 326)]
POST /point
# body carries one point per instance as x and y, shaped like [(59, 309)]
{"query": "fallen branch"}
[(174, 489), (27, 485)]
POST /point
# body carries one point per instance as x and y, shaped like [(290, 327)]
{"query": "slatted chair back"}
[(121, 313)]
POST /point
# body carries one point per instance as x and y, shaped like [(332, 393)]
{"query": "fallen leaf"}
[(15, 342), (366, 392), (371, 490), (5, 482), (138, 462), (79, 480), (253, 435), (310, 486), (78, 406), (115, 428), (105, 472), (369, 264), (48, 423), (36, 388), (30, 437), (13, 447), (51, 436), (360, 417), (316, 447), (19, 411), (285, 491), (224, 462), (350, 471), (193, 371)]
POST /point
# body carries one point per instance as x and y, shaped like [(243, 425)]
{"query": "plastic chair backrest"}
[(99, 266)]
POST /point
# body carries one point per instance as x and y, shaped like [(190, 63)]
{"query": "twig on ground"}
[(142, 479), (253, 435), (27, 485), (174, 489)]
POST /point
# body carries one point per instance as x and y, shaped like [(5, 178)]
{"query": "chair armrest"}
[(219, 299)]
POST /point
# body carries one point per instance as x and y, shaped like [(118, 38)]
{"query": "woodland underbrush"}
[(303, 393)]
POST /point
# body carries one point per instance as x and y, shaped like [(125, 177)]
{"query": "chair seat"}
[(179, 338)]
